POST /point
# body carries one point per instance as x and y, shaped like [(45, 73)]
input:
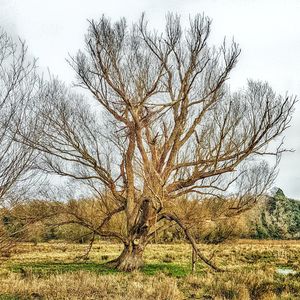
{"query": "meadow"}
[(54, 271)]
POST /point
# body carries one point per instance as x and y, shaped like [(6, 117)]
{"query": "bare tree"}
[(18, 86), (165, 126)]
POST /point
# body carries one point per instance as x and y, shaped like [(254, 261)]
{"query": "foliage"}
[(278, 218)]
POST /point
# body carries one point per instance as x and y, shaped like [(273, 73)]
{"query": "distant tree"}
[(165, 126), (18, 86)]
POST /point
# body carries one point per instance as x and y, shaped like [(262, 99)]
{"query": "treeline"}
[(73, 221), (36, 221)]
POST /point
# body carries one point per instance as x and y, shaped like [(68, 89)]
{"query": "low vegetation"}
[(54, 271)]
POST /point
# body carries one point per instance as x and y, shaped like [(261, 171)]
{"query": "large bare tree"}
[(165, 125), (19, 85)]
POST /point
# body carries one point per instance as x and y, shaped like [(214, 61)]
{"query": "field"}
[(53, 271)]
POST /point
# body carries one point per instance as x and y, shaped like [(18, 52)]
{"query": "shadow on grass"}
[(47, 268)]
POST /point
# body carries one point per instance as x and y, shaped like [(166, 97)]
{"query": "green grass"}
[(9, 297), (251, 272), (174, 270), (48, 268)]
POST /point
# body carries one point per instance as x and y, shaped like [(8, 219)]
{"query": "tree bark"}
[(130, 259)]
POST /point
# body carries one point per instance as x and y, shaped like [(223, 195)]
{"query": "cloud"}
[(267, 31)]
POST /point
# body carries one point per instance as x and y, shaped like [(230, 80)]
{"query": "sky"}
[(268, 33)]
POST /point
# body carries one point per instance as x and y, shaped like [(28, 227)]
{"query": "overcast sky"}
[(267, 31)]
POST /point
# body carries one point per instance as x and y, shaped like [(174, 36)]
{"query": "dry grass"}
[(87, 285), (49, 271)]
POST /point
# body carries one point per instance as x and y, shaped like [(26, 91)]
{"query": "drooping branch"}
[(190, 238)]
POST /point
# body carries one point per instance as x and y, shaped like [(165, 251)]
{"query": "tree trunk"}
[(194, 260), (130, 259)]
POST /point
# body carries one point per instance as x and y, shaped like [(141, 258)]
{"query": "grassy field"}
[(52, 271)]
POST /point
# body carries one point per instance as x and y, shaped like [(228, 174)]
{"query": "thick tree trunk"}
[(130, 259)]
